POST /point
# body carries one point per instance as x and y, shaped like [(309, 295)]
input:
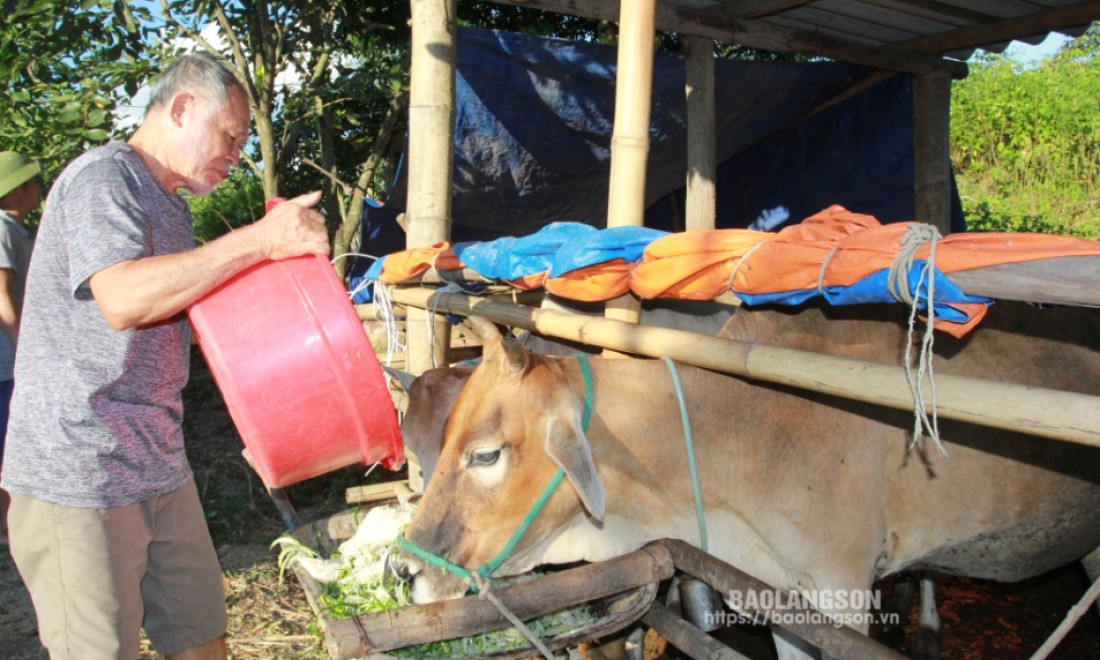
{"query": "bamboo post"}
[(701, 165), (630, 141), (1041, 412), (931, 135), (431, 160), (633, 94)]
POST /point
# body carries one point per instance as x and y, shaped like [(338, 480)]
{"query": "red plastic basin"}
[(297, 371)]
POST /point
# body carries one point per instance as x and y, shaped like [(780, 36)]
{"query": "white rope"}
[(1072, 617), (899, 287), (485, 590), (737, 266), (353, 254), (824, 266), (365, 282), (384, 310)]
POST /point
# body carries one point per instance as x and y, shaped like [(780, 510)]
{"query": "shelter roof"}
[(908, 35)]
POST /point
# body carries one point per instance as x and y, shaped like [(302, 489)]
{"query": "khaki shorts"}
[(96, 576)]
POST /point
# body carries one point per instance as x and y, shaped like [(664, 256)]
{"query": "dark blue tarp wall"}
[(535, 118)]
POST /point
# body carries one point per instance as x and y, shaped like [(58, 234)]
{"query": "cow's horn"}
[(483, 328)]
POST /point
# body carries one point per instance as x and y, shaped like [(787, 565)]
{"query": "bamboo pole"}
[(701, 167), (1042, 412), (633, 97), (630, 140), (431, 159)]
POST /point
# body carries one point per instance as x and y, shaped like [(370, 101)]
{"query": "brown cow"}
[(433, 393), (803, 491)]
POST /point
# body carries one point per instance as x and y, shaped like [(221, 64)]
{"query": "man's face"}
[(213, 142)]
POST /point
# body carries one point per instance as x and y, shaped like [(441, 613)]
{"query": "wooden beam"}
[(931, 150), (960, 13), (1005, 30), (838, 642), (701, 192), (763, 8), (1056, 281), (687, 638), (1041, 412), (879, 57), (756, 34), (442, 620)]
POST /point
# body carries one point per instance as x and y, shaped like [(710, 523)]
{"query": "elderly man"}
[(20, 193), (106, 526)]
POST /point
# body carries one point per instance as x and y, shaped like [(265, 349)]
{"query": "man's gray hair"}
[(199, 73)]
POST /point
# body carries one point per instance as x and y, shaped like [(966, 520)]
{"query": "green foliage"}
[(537, 22), (1025, 142), (67, 67), (235, 202)]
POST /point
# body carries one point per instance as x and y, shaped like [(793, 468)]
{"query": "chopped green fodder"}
[(352, 584)]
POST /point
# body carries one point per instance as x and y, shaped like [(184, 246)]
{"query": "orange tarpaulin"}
[(409, 264), (605, 281), (693, 265), (842, 255)]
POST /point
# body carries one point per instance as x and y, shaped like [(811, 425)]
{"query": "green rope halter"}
[(486, 570)]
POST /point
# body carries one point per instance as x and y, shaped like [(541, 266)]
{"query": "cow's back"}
[(1001, 505)]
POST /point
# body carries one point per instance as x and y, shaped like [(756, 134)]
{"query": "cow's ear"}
[(567, 445), (405, 378)]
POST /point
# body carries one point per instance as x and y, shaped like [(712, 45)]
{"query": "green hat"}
[(15, 170)]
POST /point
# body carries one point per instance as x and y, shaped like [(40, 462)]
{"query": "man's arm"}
[(143, 291)]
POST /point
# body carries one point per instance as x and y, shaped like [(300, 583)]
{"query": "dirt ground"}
[(271, 619)]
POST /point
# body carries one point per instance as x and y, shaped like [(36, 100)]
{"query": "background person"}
[(20, 193), (107, 530)]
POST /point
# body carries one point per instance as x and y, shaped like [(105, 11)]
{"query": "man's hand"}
[(292, 228)]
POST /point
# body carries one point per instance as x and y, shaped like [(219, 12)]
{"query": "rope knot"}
[(915, 236)]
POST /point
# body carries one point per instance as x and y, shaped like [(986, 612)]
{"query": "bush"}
[(1025, 143), (235, 202)]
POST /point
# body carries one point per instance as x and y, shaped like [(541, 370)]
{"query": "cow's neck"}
[(637, 442)]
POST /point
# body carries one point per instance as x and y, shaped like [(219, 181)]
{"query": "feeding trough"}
[(617, 592)]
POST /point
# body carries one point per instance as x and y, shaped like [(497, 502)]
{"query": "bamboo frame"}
[(633, 99), (630, 140), (431, 158), (1042, 412)]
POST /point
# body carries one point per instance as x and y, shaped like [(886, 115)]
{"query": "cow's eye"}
[(484, 458)]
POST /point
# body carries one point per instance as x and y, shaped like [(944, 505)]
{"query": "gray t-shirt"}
[(16, 244), (96, 417)]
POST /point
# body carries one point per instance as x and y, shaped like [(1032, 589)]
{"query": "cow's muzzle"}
[(428, 584)]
